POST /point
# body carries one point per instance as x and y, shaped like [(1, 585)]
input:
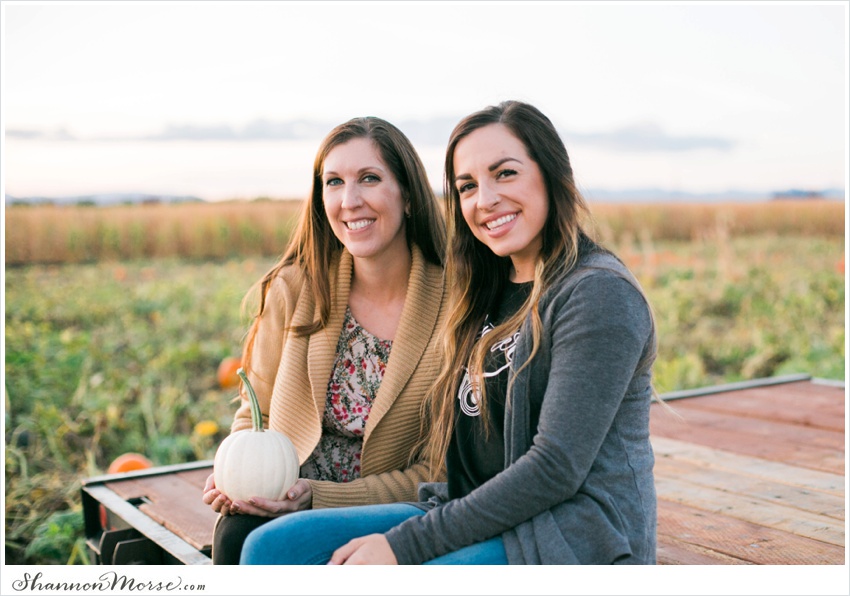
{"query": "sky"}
[(223, 100)]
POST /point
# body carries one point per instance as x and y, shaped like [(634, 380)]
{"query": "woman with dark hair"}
[(541, 409), (344, 344)]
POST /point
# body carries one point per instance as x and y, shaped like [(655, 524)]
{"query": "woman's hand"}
[(373, 549), (216, 499), (299, 497)]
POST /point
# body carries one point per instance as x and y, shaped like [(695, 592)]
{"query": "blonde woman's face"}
[(363, 200), (503, 196)]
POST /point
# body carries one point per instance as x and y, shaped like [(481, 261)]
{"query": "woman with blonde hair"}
[(541, 410), (344, 343)]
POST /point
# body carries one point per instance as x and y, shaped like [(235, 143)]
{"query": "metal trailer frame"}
[(130, 536)]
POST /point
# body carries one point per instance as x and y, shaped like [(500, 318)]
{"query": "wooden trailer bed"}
[(747, 473)]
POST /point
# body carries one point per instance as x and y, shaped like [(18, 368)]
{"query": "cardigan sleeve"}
[(387, 487), (266, 352), (598, 332)]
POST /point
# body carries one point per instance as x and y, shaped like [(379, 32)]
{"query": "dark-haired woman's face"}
[(503, 195)]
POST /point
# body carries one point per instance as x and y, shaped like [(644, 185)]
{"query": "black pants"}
[(230, 534)]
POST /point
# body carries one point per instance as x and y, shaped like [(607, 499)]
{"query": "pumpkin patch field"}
[(109, 355)]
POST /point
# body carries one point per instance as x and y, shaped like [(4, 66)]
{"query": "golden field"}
[(77, 234)]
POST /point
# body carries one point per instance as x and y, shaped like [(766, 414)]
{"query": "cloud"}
[(60, 134), (19, 133), (648, 137), (431, 132), (257, 130), (189, 132)]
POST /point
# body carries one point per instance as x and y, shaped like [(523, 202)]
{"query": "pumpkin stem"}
[(256, 414)]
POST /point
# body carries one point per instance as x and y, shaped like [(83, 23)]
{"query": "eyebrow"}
[(501, 161), (489, 168), (361, 171)]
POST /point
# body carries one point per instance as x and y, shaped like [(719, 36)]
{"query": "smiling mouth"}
[(497, 223), (359, 224)]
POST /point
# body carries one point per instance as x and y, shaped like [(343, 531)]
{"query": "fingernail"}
[(331, 563), (234, 507), (292, 495)]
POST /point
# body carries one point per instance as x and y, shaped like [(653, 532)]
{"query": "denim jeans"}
[(310, 537)]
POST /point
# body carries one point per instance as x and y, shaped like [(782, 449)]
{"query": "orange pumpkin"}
[(227, 376), (129, 462), (126, 462)]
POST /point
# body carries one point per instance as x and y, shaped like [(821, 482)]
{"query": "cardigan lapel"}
[(415, 328), (322, 349)]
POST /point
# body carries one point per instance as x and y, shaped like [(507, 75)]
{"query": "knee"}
[(229, 535), (275, 543), (256, 548)]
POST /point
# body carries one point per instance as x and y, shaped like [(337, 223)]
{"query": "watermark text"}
[(109, 581)]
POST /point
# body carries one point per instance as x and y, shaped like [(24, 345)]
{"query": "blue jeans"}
[(310, 537)]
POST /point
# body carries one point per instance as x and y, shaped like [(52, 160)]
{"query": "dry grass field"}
[(54, 234)]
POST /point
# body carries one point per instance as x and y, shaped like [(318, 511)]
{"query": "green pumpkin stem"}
[(256, 414)]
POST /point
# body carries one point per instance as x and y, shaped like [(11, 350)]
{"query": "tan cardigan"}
[(290, 375)]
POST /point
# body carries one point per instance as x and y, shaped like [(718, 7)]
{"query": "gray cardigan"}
[(578, 488)]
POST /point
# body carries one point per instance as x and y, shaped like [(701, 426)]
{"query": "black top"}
[(474, 456)]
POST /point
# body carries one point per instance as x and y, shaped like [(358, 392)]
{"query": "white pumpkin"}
[(256, 462)]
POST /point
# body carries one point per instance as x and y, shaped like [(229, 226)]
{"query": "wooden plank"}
[(757, 511), (128, 489), (739, 439), (146, 486), (197, 478), (740, 539), (174, 500), (812, 480), (780, 432), (191, 524), (804, 404), (181, 550), (671, 551), (177, 504), (782, 493)]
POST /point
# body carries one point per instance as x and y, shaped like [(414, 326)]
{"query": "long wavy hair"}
[(477, 276), (313, 245)]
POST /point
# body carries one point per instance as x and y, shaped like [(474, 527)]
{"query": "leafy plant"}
[(58, 537)]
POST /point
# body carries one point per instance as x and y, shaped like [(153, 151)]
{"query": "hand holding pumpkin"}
[(215, 498), (254, 464), (299, 497)]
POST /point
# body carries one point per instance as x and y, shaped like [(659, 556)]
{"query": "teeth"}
[(500, 222), (359, 224)]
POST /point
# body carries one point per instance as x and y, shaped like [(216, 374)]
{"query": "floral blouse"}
[(355, 379)]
